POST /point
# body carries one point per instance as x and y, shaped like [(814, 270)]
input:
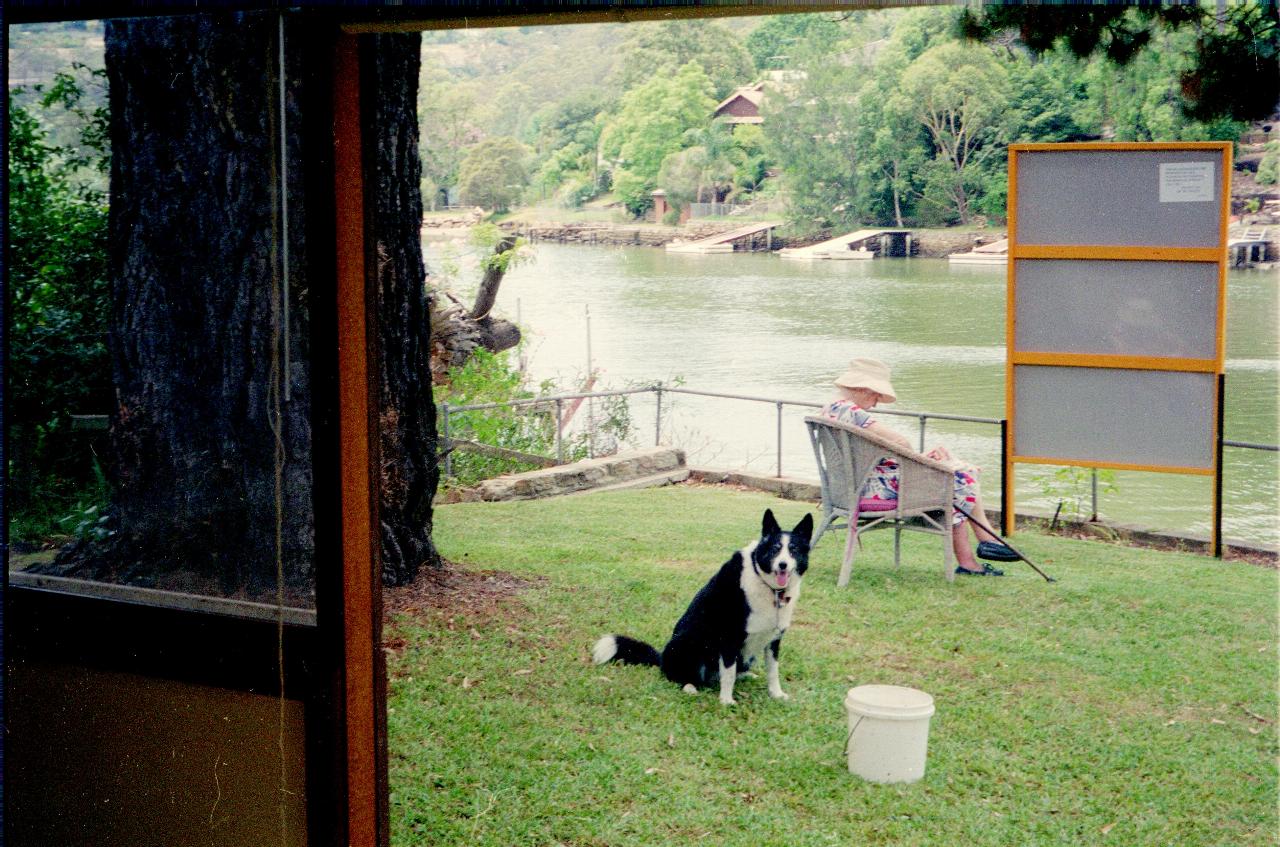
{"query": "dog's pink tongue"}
[(782, 579)]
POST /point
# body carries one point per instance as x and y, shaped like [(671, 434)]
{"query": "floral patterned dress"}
[(883, 483)]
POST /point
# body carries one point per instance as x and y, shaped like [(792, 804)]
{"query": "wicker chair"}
[(847, 455)]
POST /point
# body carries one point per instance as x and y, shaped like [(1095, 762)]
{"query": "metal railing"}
[(922, 419), (558, 400)]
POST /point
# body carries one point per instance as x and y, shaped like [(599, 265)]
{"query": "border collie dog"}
[(745, 609)]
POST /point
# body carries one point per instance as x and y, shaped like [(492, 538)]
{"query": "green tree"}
[(1269, 166), (681, 176), (58, 296), (1046, 99), (446, 116), (1230, 57), (493, 173), (717, 160), (574, 120), (696, 174), (1142, 99), (958, 93), (812, 136), (674, 44), (750, 158), (894, 151), (650, 125), (566, 137), (775, 43)]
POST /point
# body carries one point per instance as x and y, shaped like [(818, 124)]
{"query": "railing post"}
[(1093, 483), (779, 440), (922, 420), (448, 444), (559, 425), (657, 423)]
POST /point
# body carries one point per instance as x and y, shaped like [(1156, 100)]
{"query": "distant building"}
[(742, 106)]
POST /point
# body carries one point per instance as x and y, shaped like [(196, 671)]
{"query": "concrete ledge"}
[(785, 487), (586, 475), (651, 481)]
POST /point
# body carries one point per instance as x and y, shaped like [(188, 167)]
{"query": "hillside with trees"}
[(881, 117)]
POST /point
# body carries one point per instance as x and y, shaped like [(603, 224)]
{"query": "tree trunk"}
[(202, 339), (410, 471), (487, 294), (897, 195)]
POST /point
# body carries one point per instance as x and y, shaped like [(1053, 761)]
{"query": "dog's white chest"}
[(768, 617)]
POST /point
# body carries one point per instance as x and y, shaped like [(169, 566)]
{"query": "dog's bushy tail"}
[(629, 651)]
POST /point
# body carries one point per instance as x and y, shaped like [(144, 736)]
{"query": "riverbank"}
[(929, 243)]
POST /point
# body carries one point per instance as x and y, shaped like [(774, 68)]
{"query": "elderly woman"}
[(864, 386)]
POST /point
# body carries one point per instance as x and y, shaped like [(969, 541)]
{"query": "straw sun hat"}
[(868, 373)]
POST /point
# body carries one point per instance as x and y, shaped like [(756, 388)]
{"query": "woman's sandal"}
[(987, 570)]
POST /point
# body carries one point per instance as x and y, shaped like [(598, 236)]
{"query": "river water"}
[(754, 324)]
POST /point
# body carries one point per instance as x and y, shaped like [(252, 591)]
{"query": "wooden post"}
[(1007, 521), (363, 693)]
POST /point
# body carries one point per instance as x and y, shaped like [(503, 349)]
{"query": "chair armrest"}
[(893, 449)]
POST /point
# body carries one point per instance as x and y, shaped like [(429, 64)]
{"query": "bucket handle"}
[(849, 738)]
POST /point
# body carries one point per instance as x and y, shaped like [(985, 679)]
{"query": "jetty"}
[(852, 245), (748, 237), (995, 253), (1248, 249)]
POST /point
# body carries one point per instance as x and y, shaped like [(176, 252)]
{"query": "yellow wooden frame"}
[(1015, 358)]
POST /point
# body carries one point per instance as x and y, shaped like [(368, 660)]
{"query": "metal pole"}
[(591, 406), (779, 440), (559, 442), (922, 420), (1094, 484), (524, 359), (448, 451), (1217, 470), (657, 422)]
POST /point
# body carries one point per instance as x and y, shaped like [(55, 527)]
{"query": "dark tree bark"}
[(199, 340), (410, 471)]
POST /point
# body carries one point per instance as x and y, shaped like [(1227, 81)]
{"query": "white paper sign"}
[(1186, 182)]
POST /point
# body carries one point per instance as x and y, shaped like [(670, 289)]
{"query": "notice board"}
[(1116, 306)]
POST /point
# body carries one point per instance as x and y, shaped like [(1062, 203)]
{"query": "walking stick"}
[(970, 516)]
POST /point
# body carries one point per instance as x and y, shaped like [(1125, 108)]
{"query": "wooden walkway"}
[(722, 242), (832, 247)]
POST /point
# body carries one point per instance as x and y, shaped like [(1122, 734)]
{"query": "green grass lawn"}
[(1133, 702)]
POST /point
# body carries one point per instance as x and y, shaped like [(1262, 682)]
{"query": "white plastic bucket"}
[(888, 732)]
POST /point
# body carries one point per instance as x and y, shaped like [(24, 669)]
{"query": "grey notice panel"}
[(1159, 418), (1119, 197), (1121, 308)]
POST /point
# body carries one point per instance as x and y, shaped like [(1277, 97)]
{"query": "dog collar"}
[(780, 596)]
